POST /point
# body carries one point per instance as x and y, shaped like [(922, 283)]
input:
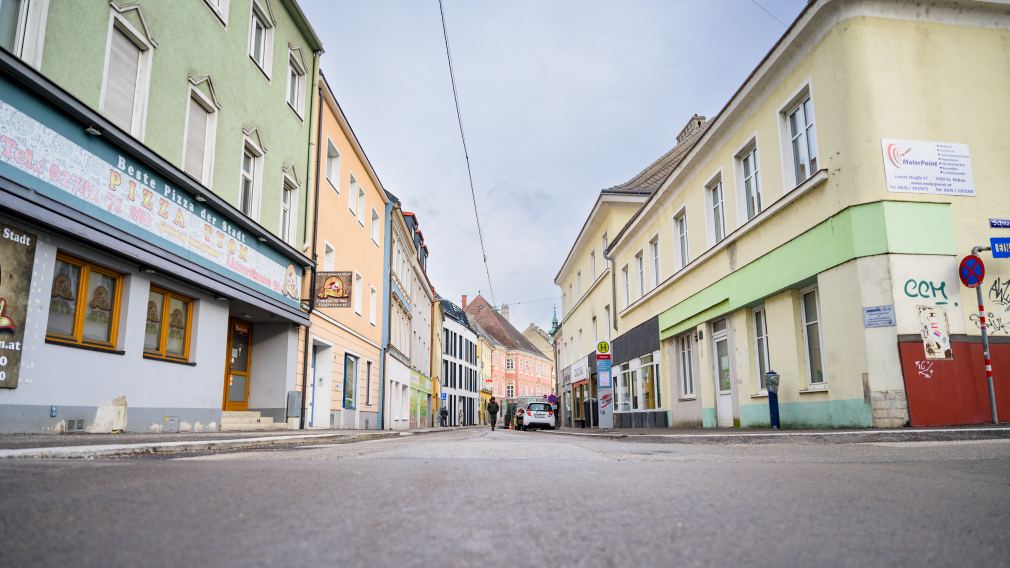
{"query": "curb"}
[(108, 450), (869, 436)]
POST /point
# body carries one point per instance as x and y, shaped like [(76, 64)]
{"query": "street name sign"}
[(1000, 247), (972, 271), (999, 223)]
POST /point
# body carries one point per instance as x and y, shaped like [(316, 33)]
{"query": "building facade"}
[(346, 290), (814, 229), (162, 228), (460, 366)]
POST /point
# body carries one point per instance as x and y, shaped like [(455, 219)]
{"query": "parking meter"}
[(772, 384)]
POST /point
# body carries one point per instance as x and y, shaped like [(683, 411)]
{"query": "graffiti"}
[(925, 289), (999, 292), (925, 368), (994, 324)]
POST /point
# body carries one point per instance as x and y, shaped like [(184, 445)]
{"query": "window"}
[(596, 332), (640, 266), (625, 286), (510, 390), (637, 384), (751, 183), (372, 305), (376, 227), (606, 322), (352, 194), (654, 252), (360, 206), (803, 139), (761, 343), (812, 336), (199, 145), (288, 201), (680, 222), (604, 249), (332, 165), (578, 283), (127, 72), (510, 364), (91, 318), (685, 364), (220, 8), (296, 83), (329, 257), (350, 381), (249, 184), (580, 347), (260, 37), (168, 326), (592, 265), (356, 292), (718, 214), (13, 17)]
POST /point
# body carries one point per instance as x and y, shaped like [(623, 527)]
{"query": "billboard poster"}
[(17, 259), (916, 166), (333, 289), (935, 332)]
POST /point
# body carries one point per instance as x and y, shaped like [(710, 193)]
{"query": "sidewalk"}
[(104, 445), (766, 436)]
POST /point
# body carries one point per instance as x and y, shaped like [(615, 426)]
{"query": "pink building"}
[(518, 368)]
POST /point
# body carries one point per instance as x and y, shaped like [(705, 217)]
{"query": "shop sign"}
[(333, 289), (580, 371), (17, 259), (917, 166), (935, 332), (91, 175)]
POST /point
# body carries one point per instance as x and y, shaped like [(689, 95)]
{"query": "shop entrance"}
[(723, 381), (238, 371)]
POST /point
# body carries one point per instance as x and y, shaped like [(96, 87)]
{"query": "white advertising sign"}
[(580, 371), (916, 166)]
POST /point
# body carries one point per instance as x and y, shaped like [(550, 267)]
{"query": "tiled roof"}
[(496, 326), (652, 177)]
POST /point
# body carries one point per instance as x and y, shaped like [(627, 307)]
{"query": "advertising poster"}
[(17, 258), (917, 166), (935, 332), (333, 289)]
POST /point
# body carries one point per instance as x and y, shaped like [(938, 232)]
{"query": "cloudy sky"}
[(560, 98)]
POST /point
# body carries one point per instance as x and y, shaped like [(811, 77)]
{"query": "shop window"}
[(761, 344), (685, 364), (637, 385), (812, 336), (90, 318), (169, 325)]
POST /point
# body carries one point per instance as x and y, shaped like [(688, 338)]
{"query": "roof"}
[(456, 314), (496, 326), (653, 176)]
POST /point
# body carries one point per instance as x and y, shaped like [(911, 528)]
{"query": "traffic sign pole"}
[(985, 341)]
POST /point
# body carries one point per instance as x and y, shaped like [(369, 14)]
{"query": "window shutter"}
[(196, 139), (121, 81)]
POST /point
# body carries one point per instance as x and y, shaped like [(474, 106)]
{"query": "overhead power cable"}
[(765, 10), (466, 153)]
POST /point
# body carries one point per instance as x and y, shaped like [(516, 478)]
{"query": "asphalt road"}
[(476, 498)]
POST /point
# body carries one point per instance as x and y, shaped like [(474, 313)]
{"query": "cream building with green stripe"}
[(782, 242)]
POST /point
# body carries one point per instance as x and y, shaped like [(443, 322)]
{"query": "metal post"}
[(985, 342)]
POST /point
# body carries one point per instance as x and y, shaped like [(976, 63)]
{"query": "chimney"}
[(690, 128), (505, 311), (463, 303)]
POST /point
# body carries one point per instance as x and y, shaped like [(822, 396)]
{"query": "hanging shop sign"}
[(52, 154), (17, 258), (333, 289), (917, 166)]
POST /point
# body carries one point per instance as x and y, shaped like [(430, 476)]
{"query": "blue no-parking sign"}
[(972, 271)]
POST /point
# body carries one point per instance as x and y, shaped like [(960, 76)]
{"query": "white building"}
[(460, 376)]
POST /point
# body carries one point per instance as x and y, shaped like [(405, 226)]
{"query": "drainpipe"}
[(386, 311), (312, 255)]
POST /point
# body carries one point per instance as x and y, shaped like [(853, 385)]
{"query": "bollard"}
[(772, 384)]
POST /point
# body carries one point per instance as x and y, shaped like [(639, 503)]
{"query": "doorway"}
[(723, 381), (320, 388), (238, 371)]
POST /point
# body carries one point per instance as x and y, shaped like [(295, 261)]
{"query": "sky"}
[(559, 99)]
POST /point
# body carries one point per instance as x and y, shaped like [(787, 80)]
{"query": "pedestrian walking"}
[(492, 412), (444, 416)]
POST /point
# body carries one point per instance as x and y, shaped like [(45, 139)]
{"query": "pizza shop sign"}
[(107, 185)]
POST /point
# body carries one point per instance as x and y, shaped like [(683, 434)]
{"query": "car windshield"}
[(538, 407)]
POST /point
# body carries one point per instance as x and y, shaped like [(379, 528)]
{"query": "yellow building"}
[(815, 226), (343, 350)]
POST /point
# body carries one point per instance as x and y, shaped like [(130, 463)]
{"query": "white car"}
[(538, 415)]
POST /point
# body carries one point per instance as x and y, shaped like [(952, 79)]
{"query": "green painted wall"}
[(862, 230), (853, 413), (193, 42)]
